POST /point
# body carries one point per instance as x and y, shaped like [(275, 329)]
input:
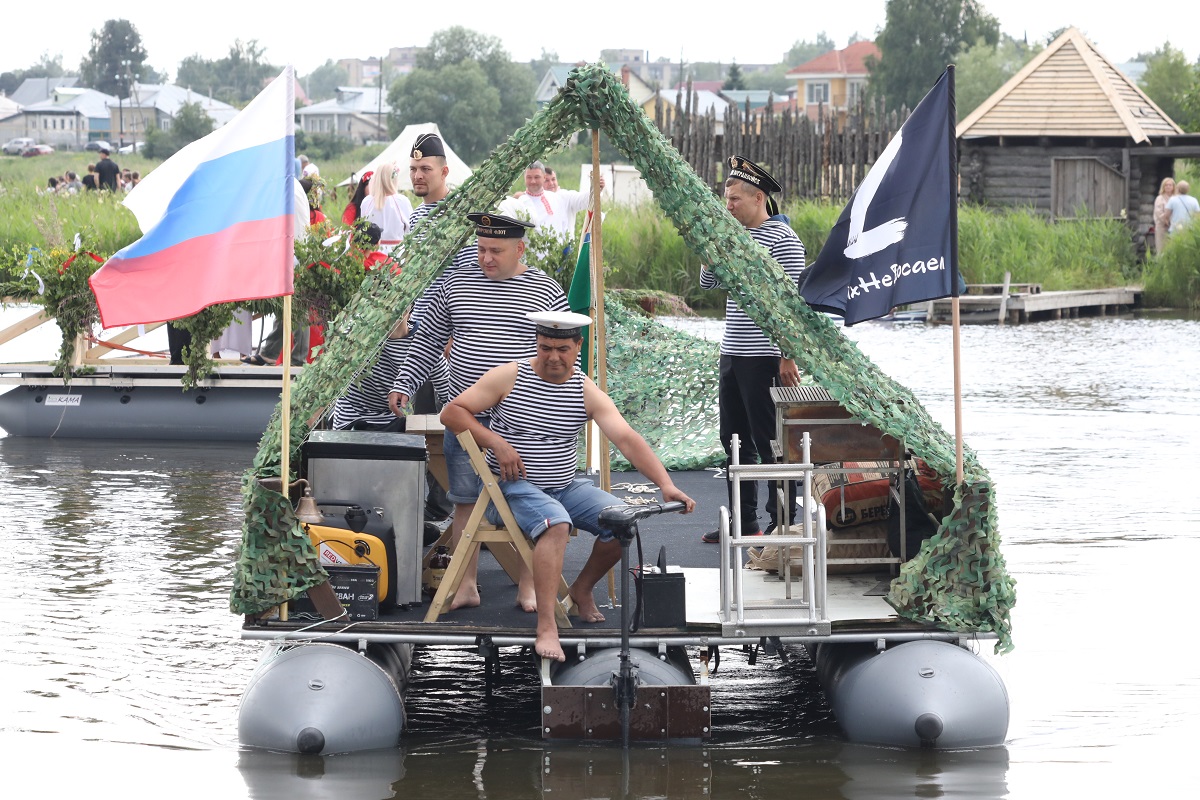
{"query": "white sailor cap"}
[(559, 324)]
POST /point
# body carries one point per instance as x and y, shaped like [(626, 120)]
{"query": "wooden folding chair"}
[(506, 542)]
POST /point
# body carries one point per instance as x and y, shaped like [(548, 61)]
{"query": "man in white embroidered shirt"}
[(538, 406)]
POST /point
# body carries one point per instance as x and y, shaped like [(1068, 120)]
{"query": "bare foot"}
[(585, 607), (526, 597), (467, 596), (546, 645)]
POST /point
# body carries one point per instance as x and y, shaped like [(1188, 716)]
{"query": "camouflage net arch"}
[(958, 581)]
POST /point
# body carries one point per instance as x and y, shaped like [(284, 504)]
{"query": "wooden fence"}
[(822, 159)]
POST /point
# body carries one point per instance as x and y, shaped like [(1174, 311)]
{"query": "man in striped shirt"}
[(750, 362), (428, 170), (538, 406), (483, 309)]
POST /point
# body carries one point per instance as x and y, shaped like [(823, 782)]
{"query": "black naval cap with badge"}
[(428, 144), (495, 226), (746, 170), (559, 324)]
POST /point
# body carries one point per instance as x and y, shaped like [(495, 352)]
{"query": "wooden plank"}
[(38, 318)]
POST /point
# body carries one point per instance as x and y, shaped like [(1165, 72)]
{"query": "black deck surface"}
[(679, 533)]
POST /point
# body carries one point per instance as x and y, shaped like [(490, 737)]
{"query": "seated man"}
[(538, 407)]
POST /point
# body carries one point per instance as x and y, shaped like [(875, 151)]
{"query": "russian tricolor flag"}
[(216, 219)]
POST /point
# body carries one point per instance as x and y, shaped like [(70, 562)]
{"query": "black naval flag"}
[(896, 242)]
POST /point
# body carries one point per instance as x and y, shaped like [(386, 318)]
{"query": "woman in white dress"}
[(386, 207)]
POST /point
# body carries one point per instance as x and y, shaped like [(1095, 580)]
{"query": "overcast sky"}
[(706, 32)]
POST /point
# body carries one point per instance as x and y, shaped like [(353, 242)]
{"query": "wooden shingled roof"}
[(1069, 89)]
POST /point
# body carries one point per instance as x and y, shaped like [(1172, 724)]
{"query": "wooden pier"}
[(996, 303)]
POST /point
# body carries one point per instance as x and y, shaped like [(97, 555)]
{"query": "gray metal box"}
[(384, 473)]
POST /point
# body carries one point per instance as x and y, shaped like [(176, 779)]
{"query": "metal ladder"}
[(805, 614)]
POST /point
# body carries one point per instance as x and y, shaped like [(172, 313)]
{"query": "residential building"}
[(365, 71), (357, 113), (702, 102), (556, 77), (69, 118), (1069, 136), (152, 105), (835, 80), (35, 90), (12, 125)]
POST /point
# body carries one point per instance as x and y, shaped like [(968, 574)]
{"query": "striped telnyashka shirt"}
[(742, 336), (467, 256), (487, 320), (541, 420), (368, 401)]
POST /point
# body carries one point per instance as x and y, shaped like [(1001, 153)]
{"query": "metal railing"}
[(772, 617)]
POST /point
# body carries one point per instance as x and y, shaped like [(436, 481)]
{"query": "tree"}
[(322, 82), (116, 59), (918, 40), (512, 81), (198, 74), (459, 98), (540, 65), (1168, 80), (734, 81), (983, 68), (243, 73), (462, 58), (803, 51), (190, 124), (47, 67), (775, 80)]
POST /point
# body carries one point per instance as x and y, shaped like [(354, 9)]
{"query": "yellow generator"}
[(352, 535)]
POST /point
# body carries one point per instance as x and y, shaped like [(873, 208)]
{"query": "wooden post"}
[(597, 262), (954, 312), (1004, 297)]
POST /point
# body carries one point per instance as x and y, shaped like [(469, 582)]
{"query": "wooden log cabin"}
[(1070, 136)]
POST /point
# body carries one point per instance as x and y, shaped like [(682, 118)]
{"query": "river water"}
[(121, 667)]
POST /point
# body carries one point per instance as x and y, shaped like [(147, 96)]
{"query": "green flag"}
[(579, 295)]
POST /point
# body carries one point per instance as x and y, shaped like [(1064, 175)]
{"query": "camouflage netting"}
[(958, 580)]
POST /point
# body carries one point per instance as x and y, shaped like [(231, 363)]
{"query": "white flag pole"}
[(285, 396)]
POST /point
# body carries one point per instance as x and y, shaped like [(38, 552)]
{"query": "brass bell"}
[(307, 511)]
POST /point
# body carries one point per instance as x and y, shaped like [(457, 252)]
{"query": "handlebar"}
[(623, 518)]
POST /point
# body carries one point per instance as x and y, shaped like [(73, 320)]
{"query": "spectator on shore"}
[(1162, 217), (307, 168), (107, 172), (354, 207), (89, 180), (72, 185), (1182, 207), (386, 207)]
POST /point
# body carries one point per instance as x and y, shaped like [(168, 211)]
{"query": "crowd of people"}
[(1173, 210), (102, 175)]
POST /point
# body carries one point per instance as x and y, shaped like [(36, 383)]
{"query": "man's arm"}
[(600, 407), (459, 416), (429, 343)]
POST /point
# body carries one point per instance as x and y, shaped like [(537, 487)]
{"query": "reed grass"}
[(1173, 278), (1074, 254)]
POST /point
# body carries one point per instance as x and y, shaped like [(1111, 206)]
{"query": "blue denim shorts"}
[(578, 504), (465, 485)]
